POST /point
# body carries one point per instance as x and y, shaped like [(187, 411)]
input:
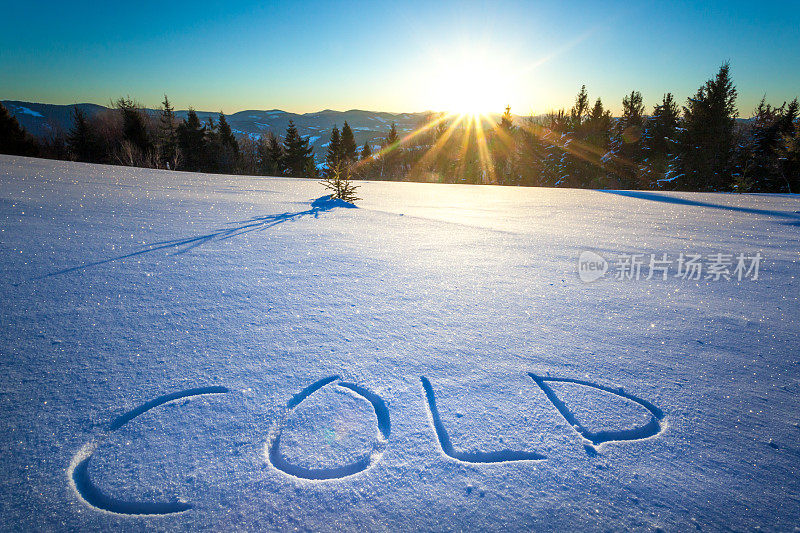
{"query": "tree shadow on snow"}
[(181, 246), (794, 216)]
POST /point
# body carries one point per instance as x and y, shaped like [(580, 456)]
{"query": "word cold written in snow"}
[(79, 471)]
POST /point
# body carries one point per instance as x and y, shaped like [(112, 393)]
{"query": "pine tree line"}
[(126, 134), (698, 146)]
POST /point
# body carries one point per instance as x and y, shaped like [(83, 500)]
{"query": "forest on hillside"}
[(700, 145)]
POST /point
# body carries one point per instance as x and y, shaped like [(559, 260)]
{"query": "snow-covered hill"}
[(185, 351)]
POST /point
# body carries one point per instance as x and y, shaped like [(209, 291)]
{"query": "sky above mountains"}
[(403, 56)]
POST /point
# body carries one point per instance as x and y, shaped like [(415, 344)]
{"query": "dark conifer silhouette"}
[(349, 148), (168, 136), (390, 155), (228, 147), (366, 152), (270, 155), (14, 140), (503, 146), (627, 140), (580, 110), (296, 153), (226, 135), (710, 134), (82, 140), (788, 152), (136, 147), (761, 167), (333, 157), (660, 143), (192, 142)]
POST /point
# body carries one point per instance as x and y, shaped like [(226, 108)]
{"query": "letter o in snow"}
[(278, 460)]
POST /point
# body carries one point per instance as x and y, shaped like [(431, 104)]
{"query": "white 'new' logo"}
[(591, 266)]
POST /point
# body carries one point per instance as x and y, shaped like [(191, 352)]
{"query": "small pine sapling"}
[(340, 185)]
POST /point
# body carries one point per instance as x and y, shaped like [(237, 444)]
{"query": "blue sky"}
[(399, 56)]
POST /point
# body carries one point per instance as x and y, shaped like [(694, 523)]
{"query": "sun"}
[(465, 89), (471, 82), (473, 96)]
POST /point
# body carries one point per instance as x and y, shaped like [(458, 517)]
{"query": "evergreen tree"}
[(532, 151), (341, 187), (390, 154), (627, 141), (333, 157), (580, 160), (226, 136), (597, 138), (53, 142), (296, 152), (710, 134), (761, 155), (442, 164), (660, 143), (364, 168), (366, 151), (248, 161), (789, 149), (275, 150), (598, 126), (263, 163), (580, 110), (554, 163), (311, 171), (211, 128), (447, 158), (82, 140), (632, 110), (212, 153), (349, 147), (441, 127), (503, 148), (507, 122), (136, 148), (392, 137), (192, 142), (228, 149), (270, 155), (168, 136), (14, 140)]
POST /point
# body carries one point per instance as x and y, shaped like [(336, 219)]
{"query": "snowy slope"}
[(226, 352)]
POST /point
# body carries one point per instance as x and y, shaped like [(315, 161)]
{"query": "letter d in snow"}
[(591, 266)]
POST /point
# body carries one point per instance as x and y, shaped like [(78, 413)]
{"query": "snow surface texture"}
[(185, 351)]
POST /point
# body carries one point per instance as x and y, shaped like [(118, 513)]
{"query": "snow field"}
[(170, 327)]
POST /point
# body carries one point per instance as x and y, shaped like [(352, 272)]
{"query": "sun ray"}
[(500, 133), (437, 147), (484, 154), (400, 142), (520, 72), (462, 154), (587, 152)]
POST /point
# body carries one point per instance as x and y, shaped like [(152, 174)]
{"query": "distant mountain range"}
[(368, 126)]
